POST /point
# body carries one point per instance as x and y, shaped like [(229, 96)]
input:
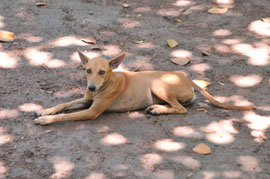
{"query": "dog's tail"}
[(219, 104)]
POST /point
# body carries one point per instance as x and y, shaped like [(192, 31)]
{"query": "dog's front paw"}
[(39, 113), (43, 120)]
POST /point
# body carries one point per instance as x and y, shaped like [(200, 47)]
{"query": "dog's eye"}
[(101, 72), (88, 71)]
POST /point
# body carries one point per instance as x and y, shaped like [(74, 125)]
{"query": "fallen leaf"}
[(139, 42), (266, 19), (223, 77), (221, 83), (15, 43), (126, 5), (49, 91), (233, 147), (189, 175), (95, 48), (202, 149), (5, 173), (178, 20), (205, 53), (172, 43), (217, 10), (6, 36), (127, 15), (180, 61), (205, 111), (207, 131), (138, 15), (202, 83), (41, 4), (49, 131), (89, 40), (200, 109)]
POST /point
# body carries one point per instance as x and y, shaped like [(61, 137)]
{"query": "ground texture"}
[(41, 69)]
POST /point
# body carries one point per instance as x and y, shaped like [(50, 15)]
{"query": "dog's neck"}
[(114, 81)]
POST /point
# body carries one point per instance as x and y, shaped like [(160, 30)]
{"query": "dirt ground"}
[(41, 69)]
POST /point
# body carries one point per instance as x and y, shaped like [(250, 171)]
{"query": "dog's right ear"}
[(83, 57)]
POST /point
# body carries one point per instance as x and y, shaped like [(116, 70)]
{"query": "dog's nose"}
[(92, 87)]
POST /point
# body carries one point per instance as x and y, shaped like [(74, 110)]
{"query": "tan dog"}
[(158, 91)]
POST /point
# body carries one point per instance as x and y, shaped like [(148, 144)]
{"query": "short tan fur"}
[(160, 92)]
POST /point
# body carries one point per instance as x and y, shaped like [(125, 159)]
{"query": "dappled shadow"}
[(41, 68)]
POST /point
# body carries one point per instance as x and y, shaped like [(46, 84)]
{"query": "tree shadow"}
[(41, 69)]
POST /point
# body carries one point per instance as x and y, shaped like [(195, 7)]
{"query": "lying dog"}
[(160, 92)]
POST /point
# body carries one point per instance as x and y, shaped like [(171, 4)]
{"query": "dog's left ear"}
[(114, 63), (83, 57)]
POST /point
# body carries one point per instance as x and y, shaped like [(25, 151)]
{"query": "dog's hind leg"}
[(76, 104), (173, 107)]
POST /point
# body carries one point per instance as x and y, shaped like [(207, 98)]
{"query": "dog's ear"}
[(83, 57), (114, 63)]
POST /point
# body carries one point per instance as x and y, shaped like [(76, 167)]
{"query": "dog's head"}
[(98, 69)]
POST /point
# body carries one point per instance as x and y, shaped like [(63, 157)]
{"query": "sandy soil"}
[(41, 69)]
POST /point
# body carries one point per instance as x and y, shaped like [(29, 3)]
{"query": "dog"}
[(160, 92)]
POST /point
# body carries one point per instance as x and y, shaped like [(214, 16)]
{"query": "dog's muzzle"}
[(92, 87)]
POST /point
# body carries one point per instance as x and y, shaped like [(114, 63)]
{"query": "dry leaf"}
[(266, 19), (202, 83), (205, 53), (5, 173), (221, 83), (223, 77), (189, 175), (127, 15), (178, 20), (202, 149), (49, 91), (207, 131), (139, 42), (6, 36), (139, 15), (41, 4), (180, 61), (217, 10), (49, 131), (95, 48), (172, 43), (126, 5), (89, 40)]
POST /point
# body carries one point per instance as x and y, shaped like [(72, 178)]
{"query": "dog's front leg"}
[(81, 115), (76, 104), (93, 112)]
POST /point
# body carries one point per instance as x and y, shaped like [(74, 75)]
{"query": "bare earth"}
[(41, 69)]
